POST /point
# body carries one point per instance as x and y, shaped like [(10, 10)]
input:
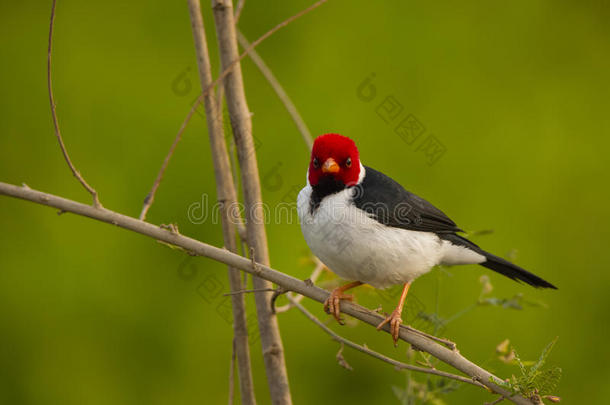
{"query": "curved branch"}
[(377, 355), (289, 283), (76, 173)]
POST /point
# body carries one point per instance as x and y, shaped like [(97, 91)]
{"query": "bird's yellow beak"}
[(330, 166)]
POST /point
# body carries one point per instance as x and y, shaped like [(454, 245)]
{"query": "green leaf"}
[(544, 355), (535, 380), (520, 363)]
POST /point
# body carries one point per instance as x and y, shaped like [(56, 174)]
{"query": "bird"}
[(366, 228)]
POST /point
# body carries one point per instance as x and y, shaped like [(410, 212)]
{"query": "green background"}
[(516, 92)]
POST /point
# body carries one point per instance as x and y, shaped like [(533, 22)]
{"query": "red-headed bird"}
[(367, 228)]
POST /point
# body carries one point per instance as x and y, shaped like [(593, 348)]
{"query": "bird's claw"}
[(332, 305), (395, 320)]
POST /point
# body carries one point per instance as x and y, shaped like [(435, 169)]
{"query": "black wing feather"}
[(390, 204)]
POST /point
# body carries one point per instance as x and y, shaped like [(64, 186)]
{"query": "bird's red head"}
[(334, 157)]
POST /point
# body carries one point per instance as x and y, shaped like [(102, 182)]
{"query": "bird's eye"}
[(348, 162), (316, 163)]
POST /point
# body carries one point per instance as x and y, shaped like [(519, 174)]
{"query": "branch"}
[(76, 173), (227, 197), (279, 90), (151, 195), (238, 9), (271, 340), (288, 283), (232, 373), (317, 271), (398, 364)]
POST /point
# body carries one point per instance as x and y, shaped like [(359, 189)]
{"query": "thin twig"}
[(276, 294), (76, 173), (497, 401), (450, 357), (151, 195), (279, 90), (232, 374), (341, 360), (238, 9), (252, 290), (445, 342), (398, 364), (227, 197)]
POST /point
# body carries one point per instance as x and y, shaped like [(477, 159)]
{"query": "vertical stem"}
[(273, 351), (227, 198)]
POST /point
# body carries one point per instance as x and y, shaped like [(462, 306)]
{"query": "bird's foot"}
[(395, 320), (332, 305)]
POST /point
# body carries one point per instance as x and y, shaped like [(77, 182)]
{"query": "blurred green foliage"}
[(516, 93), (535, 380)]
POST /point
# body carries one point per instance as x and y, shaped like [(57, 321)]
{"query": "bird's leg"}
[(332, 305), (395, 317)]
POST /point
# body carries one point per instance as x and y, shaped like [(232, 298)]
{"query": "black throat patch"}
[(326, 186)]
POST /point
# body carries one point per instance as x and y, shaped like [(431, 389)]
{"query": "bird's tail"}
[(513, 271), (500, 265)]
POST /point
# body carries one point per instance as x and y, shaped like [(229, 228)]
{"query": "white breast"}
[(357, 247)]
